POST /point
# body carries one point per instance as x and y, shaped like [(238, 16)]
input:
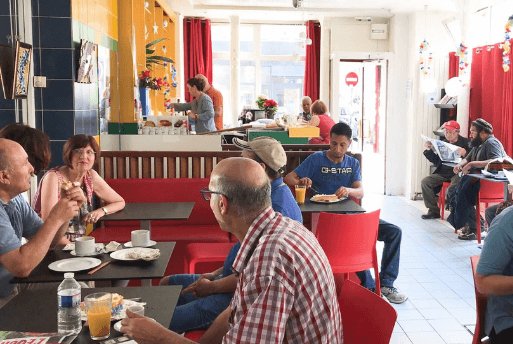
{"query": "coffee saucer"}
[(73, 253), (150, 244)]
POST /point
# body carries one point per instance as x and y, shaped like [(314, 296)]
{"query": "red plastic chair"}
[(480, 305), (205, 253), (490, 192), (349, 241), (441, 198), (366, 317), (194, 335)]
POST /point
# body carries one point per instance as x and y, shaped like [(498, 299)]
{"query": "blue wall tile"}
[(57, 63), (39, 120), (55, 8), (36, 60), (6, 117), (35, 32), (5, 103), (37, 98), (59, 125), (5, 27), (57, 148), (4, 7), (58, 95), (35, 8), (55, 32)]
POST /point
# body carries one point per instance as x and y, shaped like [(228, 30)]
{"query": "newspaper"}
[(10, 337), (445, 150)]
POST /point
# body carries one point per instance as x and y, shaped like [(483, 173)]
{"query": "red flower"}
[(146, 74), (270, 103)]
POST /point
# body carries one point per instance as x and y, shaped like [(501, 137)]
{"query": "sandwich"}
[(325, 198)]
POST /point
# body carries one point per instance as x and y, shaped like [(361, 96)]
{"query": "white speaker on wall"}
[(379, 31)]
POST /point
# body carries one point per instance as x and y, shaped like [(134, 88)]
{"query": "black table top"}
[(492, 179), (152, 211), (36, 311), (345, 206), (116, 270)]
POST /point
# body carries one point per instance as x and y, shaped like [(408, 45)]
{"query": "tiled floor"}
[(435, 274)]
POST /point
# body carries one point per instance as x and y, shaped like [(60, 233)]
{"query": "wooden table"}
[(116, 270), (36, 311), (507, 195), (145, 212)]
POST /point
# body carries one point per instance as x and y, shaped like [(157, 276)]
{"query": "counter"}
[(174, 143)]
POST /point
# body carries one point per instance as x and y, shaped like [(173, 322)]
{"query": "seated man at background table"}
[(17, 219), (285, 292), (442, 172), (485, 147), (494, 277), (205, 296), (306, 103), (334, 172)]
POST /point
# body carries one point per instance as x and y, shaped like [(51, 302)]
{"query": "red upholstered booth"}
[(200, 227)]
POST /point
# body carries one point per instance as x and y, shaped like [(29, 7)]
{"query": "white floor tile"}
[(426, 304), (409, 314), (446, 325), (397, 328), (430, 314), (425, 338), (415, 325), (456, 337), (399, 338)]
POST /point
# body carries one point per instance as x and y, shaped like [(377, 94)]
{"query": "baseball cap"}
[(269, 150), (451, 125)]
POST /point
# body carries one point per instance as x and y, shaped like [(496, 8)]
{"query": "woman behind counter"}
[(321, 119), (202, 108)]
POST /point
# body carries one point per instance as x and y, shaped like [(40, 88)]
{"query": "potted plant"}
[(147, 83), (155, 59)]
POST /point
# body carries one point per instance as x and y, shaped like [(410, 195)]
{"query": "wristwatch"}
[(105, 210)]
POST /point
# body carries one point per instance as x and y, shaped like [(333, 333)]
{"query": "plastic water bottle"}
[(68, 303)]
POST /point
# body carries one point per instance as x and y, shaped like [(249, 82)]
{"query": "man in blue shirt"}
[(494, 277), (205, 296), (334, 172), (18, 220)]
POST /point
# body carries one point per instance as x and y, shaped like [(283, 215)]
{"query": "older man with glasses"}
[(442, 172), (205, 296)]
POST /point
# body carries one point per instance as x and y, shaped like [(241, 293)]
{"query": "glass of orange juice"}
[(98, 308), (300, 193)]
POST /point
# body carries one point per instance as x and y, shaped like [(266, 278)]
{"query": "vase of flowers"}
[(268, 105), (147, 83)]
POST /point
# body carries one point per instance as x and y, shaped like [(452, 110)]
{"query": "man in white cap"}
[(205, 297), (442, 172)]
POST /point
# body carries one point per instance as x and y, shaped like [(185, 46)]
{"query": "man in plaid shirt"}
[(285, 292)]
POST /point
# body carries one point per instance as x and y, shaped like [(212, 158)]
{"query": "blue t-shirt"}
[(282, 202), (497, 259), (17, 219), (327, 177)]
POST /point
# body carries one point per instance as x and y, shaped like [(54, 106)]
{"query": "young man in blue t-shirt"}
[(334, 172)]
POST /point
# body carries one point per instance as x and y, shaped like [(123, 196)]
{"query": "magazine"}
[(445, 150), (8, 337)]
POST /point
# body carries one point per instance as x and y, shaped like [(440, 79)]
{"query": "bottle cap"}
[(69, 275)]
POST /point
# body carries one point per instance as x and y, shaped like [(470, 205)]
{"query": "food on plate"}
[(178, 123), (149, 124), (149, 254), (325, 198), (165, 123), (117, 301)]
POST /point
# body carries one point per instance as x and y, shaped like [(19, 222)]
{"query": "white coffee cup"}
[(141, 238), (501, 174), (137, 309), (84, 246)]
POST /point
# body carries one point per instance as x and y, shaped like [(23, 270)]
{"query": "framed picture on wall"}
[(6, 70), (22, 70), (86, 63)]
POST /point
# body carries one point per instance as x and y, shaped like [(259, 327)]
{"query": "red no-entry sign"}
[(352, 79)]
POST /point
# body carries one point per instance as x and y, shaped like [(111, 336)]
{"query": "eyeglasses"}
[(80, 151), (207, 194), (450, 132)]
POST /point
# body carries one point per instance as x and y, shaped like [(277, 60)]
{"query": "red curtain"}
[(312, 62), (197, 50), (454, 62), (491, 96)]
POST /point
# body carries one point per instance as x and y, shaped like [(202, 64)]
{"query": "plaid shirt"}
[(286, 291)]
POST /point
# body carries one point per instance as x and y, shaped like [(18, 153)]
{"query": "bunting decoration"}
[(506, 46), (426, 57), (463, 54)]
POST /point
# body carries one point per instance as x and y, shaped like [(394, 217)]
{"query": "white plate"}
[(121, 254), (74, 264), (152, 243), (338, 200), (117, 326)]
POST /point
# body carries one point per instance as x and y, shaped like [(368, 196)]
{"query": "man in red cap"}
[(442, 172)]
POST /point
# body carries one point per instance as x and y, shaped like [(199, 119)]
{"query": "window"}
[(269, 65)]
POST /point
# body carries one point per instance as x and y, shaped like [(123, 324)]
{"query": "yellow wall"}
[(101, 15)]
